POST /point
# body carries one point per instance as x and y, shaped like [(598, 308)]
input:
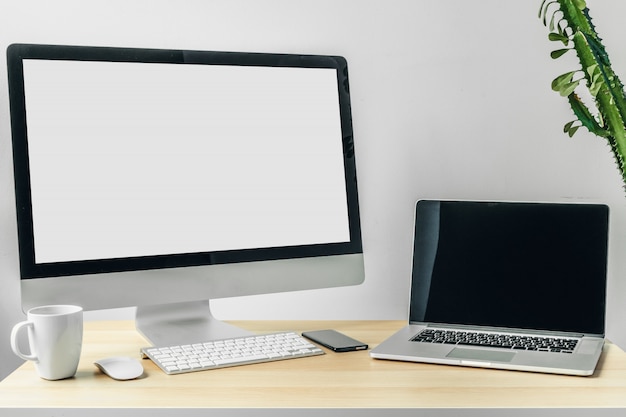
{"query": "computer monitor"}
[(164, 178)]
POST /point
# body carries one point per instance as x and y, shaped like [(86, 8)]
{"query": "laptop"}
[(506, 285)]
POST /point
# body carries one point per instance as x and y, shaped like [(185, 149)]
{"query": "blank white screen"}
[(137, 159)]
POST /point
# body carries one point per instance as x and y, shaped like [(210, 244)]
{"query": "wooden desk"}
[(339, 382)]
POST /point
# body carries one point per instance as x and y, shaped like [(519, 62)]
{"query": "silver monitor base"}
[(183, 323)]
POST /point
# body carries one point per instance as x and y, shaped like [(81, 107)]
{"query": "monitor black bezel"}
[(29, 269)]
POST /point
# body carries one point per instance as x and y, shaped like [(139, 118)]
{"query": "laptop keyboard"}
[(497, 340)]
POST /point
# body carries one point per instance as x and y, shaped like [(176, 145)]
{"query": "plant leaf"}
[(591, 69), (561, 80), (568, 89), (553, 36), (568, 126), (558, 53), (572, 130), (543, 2), (595, 86), (552, 19)]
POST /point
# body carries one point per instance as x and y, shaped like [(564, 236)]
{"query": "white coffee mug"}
[(55, 337)]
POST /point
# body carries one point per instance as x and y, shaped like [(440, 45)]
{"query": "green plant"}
[(569, 23)]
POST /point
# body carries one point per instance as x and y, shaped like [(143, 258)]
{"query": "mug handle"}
[(14, 345)]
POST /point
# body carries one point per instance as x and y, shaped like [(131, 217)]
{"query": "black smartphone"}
[(335, 341)]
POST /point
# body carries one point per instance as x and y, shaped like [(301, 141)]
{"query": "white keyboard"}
[(231, 352)]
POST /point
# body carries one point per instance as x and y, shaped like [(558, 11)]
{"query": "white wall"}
[(450, 99)]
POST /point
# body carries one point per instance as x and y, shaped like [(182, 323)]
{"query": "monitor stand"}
[(183, 323)]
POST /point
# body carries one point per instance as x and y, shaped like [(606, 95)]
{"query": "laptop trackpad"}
[(481, 355)]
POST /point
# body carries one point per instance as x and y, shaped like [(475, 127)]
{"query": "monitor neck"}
[(182, 323)]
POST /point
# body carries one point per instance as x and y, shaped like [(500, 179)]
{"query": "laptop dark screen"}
[(515, 265)]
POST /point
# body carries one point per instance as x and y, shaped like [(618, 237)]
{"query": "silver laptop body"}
[(506, 285)]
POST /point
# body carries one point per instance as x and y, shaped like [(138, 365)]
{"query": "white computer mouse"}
[(120, 367)]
